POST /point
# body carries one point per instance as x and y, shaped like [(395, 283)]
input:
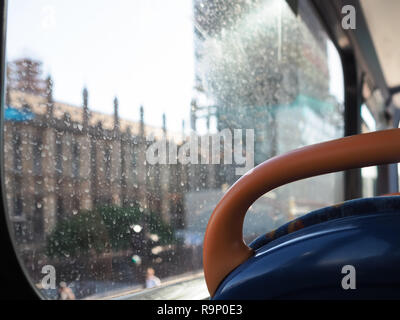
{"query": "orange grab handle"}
[(224, 248)]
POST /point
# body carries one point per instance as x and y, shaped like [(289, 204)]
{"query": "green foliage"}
[(155, 225), (105, 229)]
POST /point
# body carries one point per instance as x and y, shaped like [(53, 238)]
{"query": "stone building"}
[(60, 159)]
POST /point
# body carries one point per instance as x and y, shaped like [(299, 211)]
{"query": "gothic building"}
[(60, 159)]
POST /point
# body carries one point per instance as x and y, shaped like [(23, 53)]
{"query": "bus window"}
[(368, 174), (126, 121)]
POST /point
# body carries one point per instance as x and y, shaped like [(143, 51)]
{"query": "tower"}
[(116, 117), (85, 119), (49, 95)]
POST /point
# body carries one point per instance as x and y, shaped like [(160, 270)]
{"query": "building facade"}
[(61, 159)]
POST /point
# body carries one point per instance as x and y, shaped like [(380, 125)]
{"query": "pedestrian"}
[(65, 292), (151, 279)]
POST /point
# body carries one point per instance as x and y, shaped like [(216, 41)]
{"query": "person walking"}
[(65, 292), (151, 280)]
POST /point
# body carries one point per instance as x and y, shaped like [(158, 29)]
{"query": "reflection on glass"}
[(105, 188)]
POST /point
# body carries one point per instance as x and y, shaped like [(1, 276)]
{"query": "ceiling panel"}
[(383, 20)]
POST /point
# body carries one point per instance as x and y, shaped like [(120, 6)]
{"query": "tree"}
[(106, 229)]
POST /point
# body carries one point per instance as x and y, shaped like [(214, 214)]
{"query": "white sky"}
[(336, 81), (141, 51)]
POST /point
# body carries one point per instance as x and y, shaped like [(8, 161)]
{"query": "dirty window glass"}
[(126, 121)]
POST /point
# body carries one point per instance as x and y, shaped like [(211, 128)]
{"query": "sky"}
[(141, 51), (336, 80)]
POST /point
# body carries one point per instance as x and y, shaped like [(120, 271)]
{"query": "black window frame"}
[(13, 276)]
